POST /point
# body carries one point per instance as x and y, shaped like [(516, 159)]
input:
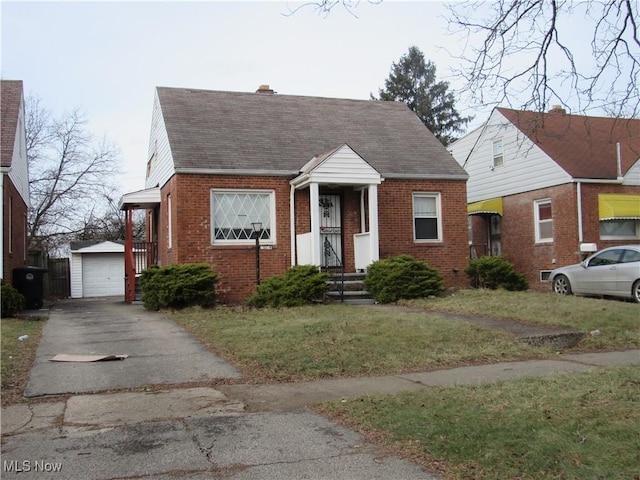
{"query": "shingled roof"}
[(261, 132), (585, 147), (11, 96)]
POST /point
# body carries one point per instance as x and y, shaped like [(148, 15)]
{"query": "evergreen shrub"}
[(402, 277), (12, 301), (495, 272), (299, 285), (178, 286)]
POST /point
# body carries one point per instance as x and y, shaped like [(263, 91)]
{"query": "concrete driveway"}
[(176, 432), (159, 351)]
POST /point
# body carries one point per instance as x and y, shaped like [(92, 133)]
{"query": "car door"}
[(628, 272), (600, 275)]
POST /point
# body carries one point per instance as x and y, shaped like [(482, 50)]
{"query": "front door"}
[(331, 230)]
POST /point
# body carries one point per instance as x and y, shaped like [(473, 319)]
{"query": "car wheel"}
[(635, 291), (561, 285)]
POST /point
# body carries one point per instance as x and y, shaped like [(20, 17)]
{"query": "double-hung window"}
[(234, 211), (427, 217), (543, 220), (498, 153)]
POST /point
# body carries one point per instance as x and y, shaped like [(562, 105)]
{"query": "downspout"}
[(292, 222), (579, 203)]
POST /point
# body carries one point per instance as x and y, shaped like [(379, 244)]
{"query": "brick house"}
[(15, 178), (332, 182), (546, 189)]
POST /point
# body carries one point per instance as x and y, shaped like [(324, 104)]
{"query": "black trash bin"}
[(29, 281)]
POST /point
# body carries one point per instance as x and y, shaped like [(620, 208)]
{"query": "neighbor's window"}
[(498, 155), (427, 224), (619, 229), (233, 212), (543, 221)]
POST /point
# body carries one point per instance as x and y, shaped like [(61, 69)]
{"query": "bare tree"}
[(70, 173), (522, 49), (109, 224), (520, 52)]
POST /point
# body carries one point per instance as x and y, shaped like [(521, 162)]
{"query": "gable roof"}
[(11, 96), (585, 147), (233, 131)]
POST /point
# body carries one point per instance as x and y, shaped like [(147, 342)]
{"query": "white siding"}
[(76, 275), (633, 175), (526, 167), (347, 167), (160, 157), (19, 174)]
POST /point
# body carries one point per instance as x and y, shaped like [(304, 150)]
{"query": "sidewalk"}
[(134, 407)]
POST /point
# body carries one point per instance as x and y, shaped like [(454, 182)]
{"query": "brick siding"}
[(235, 264)]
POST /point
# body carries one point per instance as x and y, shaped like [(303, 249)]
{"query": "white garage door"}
[(102, 274)]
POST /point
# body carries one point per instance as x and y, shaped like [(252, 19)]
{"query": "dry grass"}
[(17, 356)]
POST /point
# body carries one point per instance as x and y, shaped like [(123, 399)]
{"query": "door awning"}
[(490, 206), (618, 206), (142, 199)]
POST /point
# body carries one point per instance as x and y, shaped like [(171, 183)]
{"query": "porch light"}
[(257, 229)]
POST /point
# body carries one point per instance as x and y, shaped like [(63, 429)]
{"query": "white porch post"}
[(374, 243), (314, 201)]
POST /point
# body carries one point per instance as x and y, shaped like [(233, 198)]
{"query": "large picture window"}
[(233, 212), (427, 225), (543, 221)]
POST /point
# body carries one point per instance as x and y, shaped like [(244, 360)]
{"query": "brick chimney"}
[(265, 90), (557, 109)]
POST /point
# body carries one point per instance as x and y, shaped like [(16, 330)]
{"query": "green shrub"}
[(178, 286), (494, 273), (401, 277), (299, 285), (12, 301)]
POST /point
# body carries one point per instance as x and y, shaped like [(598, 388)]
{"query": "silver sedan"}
[(614, 271)]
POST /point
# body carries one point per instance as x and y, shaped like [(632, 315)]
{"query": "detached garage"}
[(97, 269)]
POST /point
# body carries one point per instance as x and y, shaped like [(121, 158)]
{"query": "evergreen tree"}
[(413, 81)]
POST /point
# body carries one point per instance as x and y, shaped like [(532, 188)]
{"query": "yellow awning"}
[(491, 206), (618, 206)]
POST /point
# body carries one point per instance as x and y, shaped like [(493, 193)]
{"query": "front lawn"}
[(570, 426), (344, 340)]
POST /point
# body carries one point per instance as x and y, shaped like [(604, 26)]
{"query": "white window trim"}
[(437, 196), (493, 153), (622, 237), (537, 221), (169, 223), (272, 214)]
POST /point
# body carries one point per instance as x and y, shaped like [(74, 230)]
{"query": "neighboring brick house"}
[(378, 182), (546, 189), (15, 178)]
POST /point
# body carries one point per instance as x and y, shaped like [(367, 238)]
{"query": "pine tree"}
[(413, 81)]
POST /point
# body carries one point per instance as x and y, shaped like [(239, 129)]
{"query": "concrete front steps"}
[(352, 286)]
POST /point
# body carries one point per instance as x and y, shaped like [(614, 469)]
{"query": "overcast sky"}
[(107, 58)]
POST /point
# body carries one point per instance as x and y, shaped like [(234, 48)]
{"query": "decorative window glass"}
[(233, 212), (619, 229), (543, 221), (427, 225), (498, 154)]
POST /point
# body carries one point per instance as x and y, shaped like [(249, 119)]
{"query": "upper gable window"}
[(233, 212), (498, 153), (543, 221), (427, 217)]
